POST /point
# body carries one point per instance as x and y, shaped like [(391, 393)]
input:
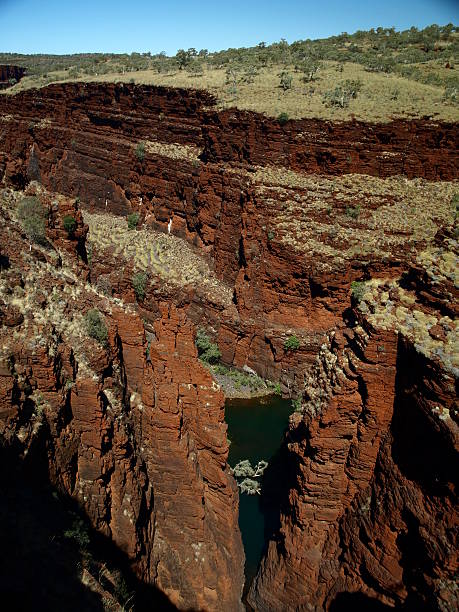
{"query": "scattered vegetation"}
[(95, 326), (139, 283), (419, 63), (240, 379), (292, 344), (32, 215), (133, 220), (208, 351), (69, 224)]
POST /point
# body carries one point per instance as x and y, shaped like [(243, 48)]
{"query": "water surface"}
[(255, 428)]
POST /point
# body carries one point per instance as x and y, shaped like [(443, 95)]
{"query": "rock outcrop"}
[(371, 511), (132, 430), (10, 75)]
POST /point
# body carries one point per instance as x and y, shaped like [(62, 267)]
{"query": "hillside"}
[(372, 76)]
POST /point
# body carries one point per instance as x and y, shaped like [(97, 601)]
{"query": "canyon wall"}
[(210, 174), (287, 217), (133, 431)]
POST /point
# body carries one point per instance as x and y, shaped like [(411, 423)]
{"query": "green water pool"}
[(255, 428)]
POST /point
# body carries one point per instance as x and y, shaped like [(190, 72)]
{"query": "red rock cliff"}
[(132, 431)]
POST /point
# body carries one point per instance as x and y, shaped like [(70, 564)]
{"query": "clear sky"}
[(77, 26)]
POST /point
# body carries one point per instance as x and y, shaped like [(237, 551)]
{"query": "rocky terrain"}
[(321, 255)]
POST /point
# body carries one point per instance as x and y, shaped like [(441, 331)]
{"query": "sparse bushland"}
[(419, 64), (95, 326), (139, 283), (32, 215), (133, 220)]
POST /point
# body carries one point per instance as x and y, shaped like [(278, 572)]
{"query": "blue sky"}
[(66, 26)]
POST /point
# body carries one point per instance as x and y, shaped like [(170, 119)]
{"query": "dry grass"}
[(408, 317), (353, 216), (383, 96), (167, 257)]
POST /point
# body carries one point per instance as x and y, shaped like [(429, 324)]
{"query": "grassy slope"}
[(407, 74)]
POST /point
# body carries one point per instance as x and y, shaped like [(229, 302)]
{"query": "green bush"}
[(342, 94), (133, 220), (140, 151), (282, 118), (292, 344), (208, 351), (139, 282), (32, 215), (358, 290), (70, 224), (353, 211), (286, 80), (95, 326)]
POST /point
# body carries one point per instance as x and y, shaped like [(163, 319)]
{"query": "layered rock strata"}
[(265, 202), (132, 430), (371, 513)]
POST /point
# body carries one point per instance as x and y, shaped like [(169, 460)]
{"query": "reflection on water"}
[(255, 428)]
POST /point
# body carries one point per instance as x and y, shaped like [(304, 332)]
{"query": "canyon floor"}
[(318, 255)]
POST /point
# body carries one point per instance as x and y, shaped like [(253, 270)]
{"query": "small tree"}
[(139, 283), (286, 80), (32, 215), (69, 224), (95, 326)]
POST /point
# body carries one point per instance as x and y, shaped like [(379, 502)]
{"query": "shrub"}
[(208, 351), (140, 151), (286, 80), (70, 224), (342, 94), (95, 326), (296, 403), (357, 290), (139, 282), (353, 211), (282, 118), (32, 214), (133, 220), (292, 344)]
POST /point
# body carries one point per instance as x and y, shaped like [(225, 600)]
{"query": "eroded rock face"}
[(284, 235), (371, 510), (266, 203), (9, 75), (133, 431)]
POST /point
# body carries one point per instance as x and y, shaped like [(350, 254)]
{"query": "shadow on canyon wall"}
[(41, 566)]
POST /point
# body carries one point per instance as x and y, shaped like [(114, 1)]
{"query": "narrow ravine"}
[(255, 429)]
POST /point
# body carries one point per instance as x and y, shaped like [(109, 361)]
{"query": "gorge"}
[(342, 236)]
